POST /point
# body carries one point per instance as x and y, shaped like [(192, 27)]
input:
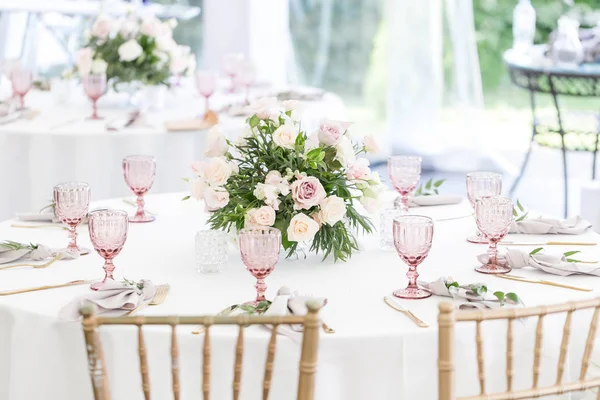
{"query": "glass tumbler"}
[(386, 228), (211, 251)]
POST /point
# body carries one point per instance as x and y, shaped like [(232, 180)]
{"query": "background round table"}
[(61, 145), (376, 353)]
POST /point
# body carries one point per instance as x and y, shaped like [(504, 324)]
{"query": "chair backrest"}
[(308, 358), (448, 317)]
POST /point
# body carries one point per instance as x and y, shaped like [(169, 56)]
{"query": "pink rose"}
[(216, 171), (216, 198), (264, 216), (273, 178), (371, 145), (197, 167), (307, 192), (83, 60), (359, 170), (330, 131), (102, 27), (151, 27)]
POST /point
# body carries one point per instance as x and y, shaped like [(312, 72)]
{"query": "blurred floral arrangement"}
[(133, 49), (307, 186)]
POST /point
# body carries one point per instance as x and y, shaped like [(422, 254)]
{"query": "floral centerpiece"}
[(134, 49), (307, 186)]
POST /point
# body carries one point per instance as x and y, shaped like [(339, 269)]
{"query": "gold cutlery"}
[(542, 282), (390, 301), (549, 243), (59, 226), (452, 218), (162, 291), (133, 203), (326, 328), (38, 288), (39, 266), (221, 313)]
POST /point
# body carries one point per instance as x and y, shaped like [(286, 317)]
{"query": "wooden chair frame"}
[(308, 358), (448, 317)]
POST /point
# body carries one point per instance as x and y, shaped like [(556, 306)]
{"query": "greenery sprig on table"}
[(519, 212), (481, 290), (566, 254), (430, 187), (11, 245)]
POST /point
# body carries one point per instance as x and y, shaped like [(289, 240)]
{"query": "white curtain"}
[(416, 96)]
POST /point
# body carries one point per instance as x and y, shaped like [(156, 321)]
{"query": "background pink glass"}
[(259, 248), (139, 172), (206, 83), (21, 80), (108, 232), (231, 63), (413, 236), (71, 200), (494, 216), (246, 77), (481, 185), (94, 86), (405, 172)]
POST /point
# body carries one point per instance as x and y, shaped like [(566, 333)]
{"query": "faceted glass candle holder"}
[(386, 228), (211, 251)]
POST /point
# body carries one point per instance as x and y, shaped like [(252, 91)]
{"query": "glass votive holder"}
[(211, 251), (386, 228)]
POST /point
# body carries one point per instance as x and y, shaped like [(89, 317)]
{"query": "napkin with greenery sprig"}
[(428, 194), (542, 226), (475, 295), (12, 251)]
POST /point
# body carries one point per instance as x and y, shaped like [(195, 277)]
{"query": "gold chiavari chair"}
[(448, 317), (308, 358)]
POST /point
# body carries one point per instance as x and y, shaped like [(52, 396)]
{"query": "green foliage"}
[(519, 212), (430, 187)]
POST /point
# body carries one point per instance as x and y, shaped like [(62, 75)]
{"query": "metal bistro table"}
[(537, 75)]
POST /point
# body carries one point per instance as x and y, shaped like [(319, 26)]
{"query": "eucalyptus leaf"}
[(535, 251), (570, 253), (515, 213), (428, 184), (186, 198), (513, 297), (520, 206), (499, 296), (438, 183)]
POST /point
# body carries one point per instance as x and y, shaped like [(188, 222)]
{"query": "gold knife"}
[(549, 243), (390, 301), (37, 288), (542, 282)]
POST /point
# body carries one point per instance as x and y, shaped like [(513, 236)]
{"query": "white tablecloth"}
[(377, 353), (60, 145)]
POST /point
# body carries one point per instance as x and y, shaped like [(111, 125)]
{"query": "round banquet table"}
[(376, 352), (60, 144)]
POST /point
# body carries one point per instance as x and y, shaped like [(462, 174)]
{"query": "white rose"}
[(285, 136), (191, 65), (264, 216), (273, 178), (370, 204), (178, 64), (99, 66), (262, 107), (295, 106), (302, 228), (151, 27), (216, 171), (197, 188), (312, 142), (333, 210), (344, 152), (371, 144), (331, 132), (128, 28), (359, 170), (216, 198), (216, 143), (130, 50), (166, 43), (102, 27), (83, 60)]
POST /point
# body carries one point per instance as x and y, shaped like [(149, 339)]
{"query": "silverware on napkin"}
[(38, 288), (390, 301), (162, 291)]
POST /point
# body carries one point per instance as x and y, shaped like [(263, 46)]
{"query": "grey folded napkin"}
[(552, 264), (115, 297), (288, 302), (541, 226), (430, 200), (12, 251), (46, 214), (474, 296)]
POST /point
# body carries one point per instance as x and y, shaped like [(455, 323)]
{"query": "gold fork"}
[(37, 288), (38, 266), (162, 291)]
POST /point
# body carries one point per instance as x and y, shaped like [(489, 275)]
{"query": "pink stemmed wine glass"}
[(412, 238), (259, 248), (231, 63), (94, 86), (405, 172), (206, 83), (246, 77), (494, 216), (479, 186), (108, 232), (71, 201), (21, 80), (139, 172)]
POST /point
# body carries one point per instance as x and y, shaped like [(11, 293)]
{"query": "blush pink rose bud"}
[(359, 170), (216, 198), (264, 216), (307, 192), (273, 178), (330, 131)]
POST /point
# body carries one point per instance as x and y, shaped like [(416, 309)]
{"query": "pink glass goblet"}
[(139, 172), (21, 80), (231, 63), (412, 238), (259, 248), (479, 186), (108, 232), (94, 86), (246, 77), (405, 172), (206, 83), (494, 216), (71, 200)]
